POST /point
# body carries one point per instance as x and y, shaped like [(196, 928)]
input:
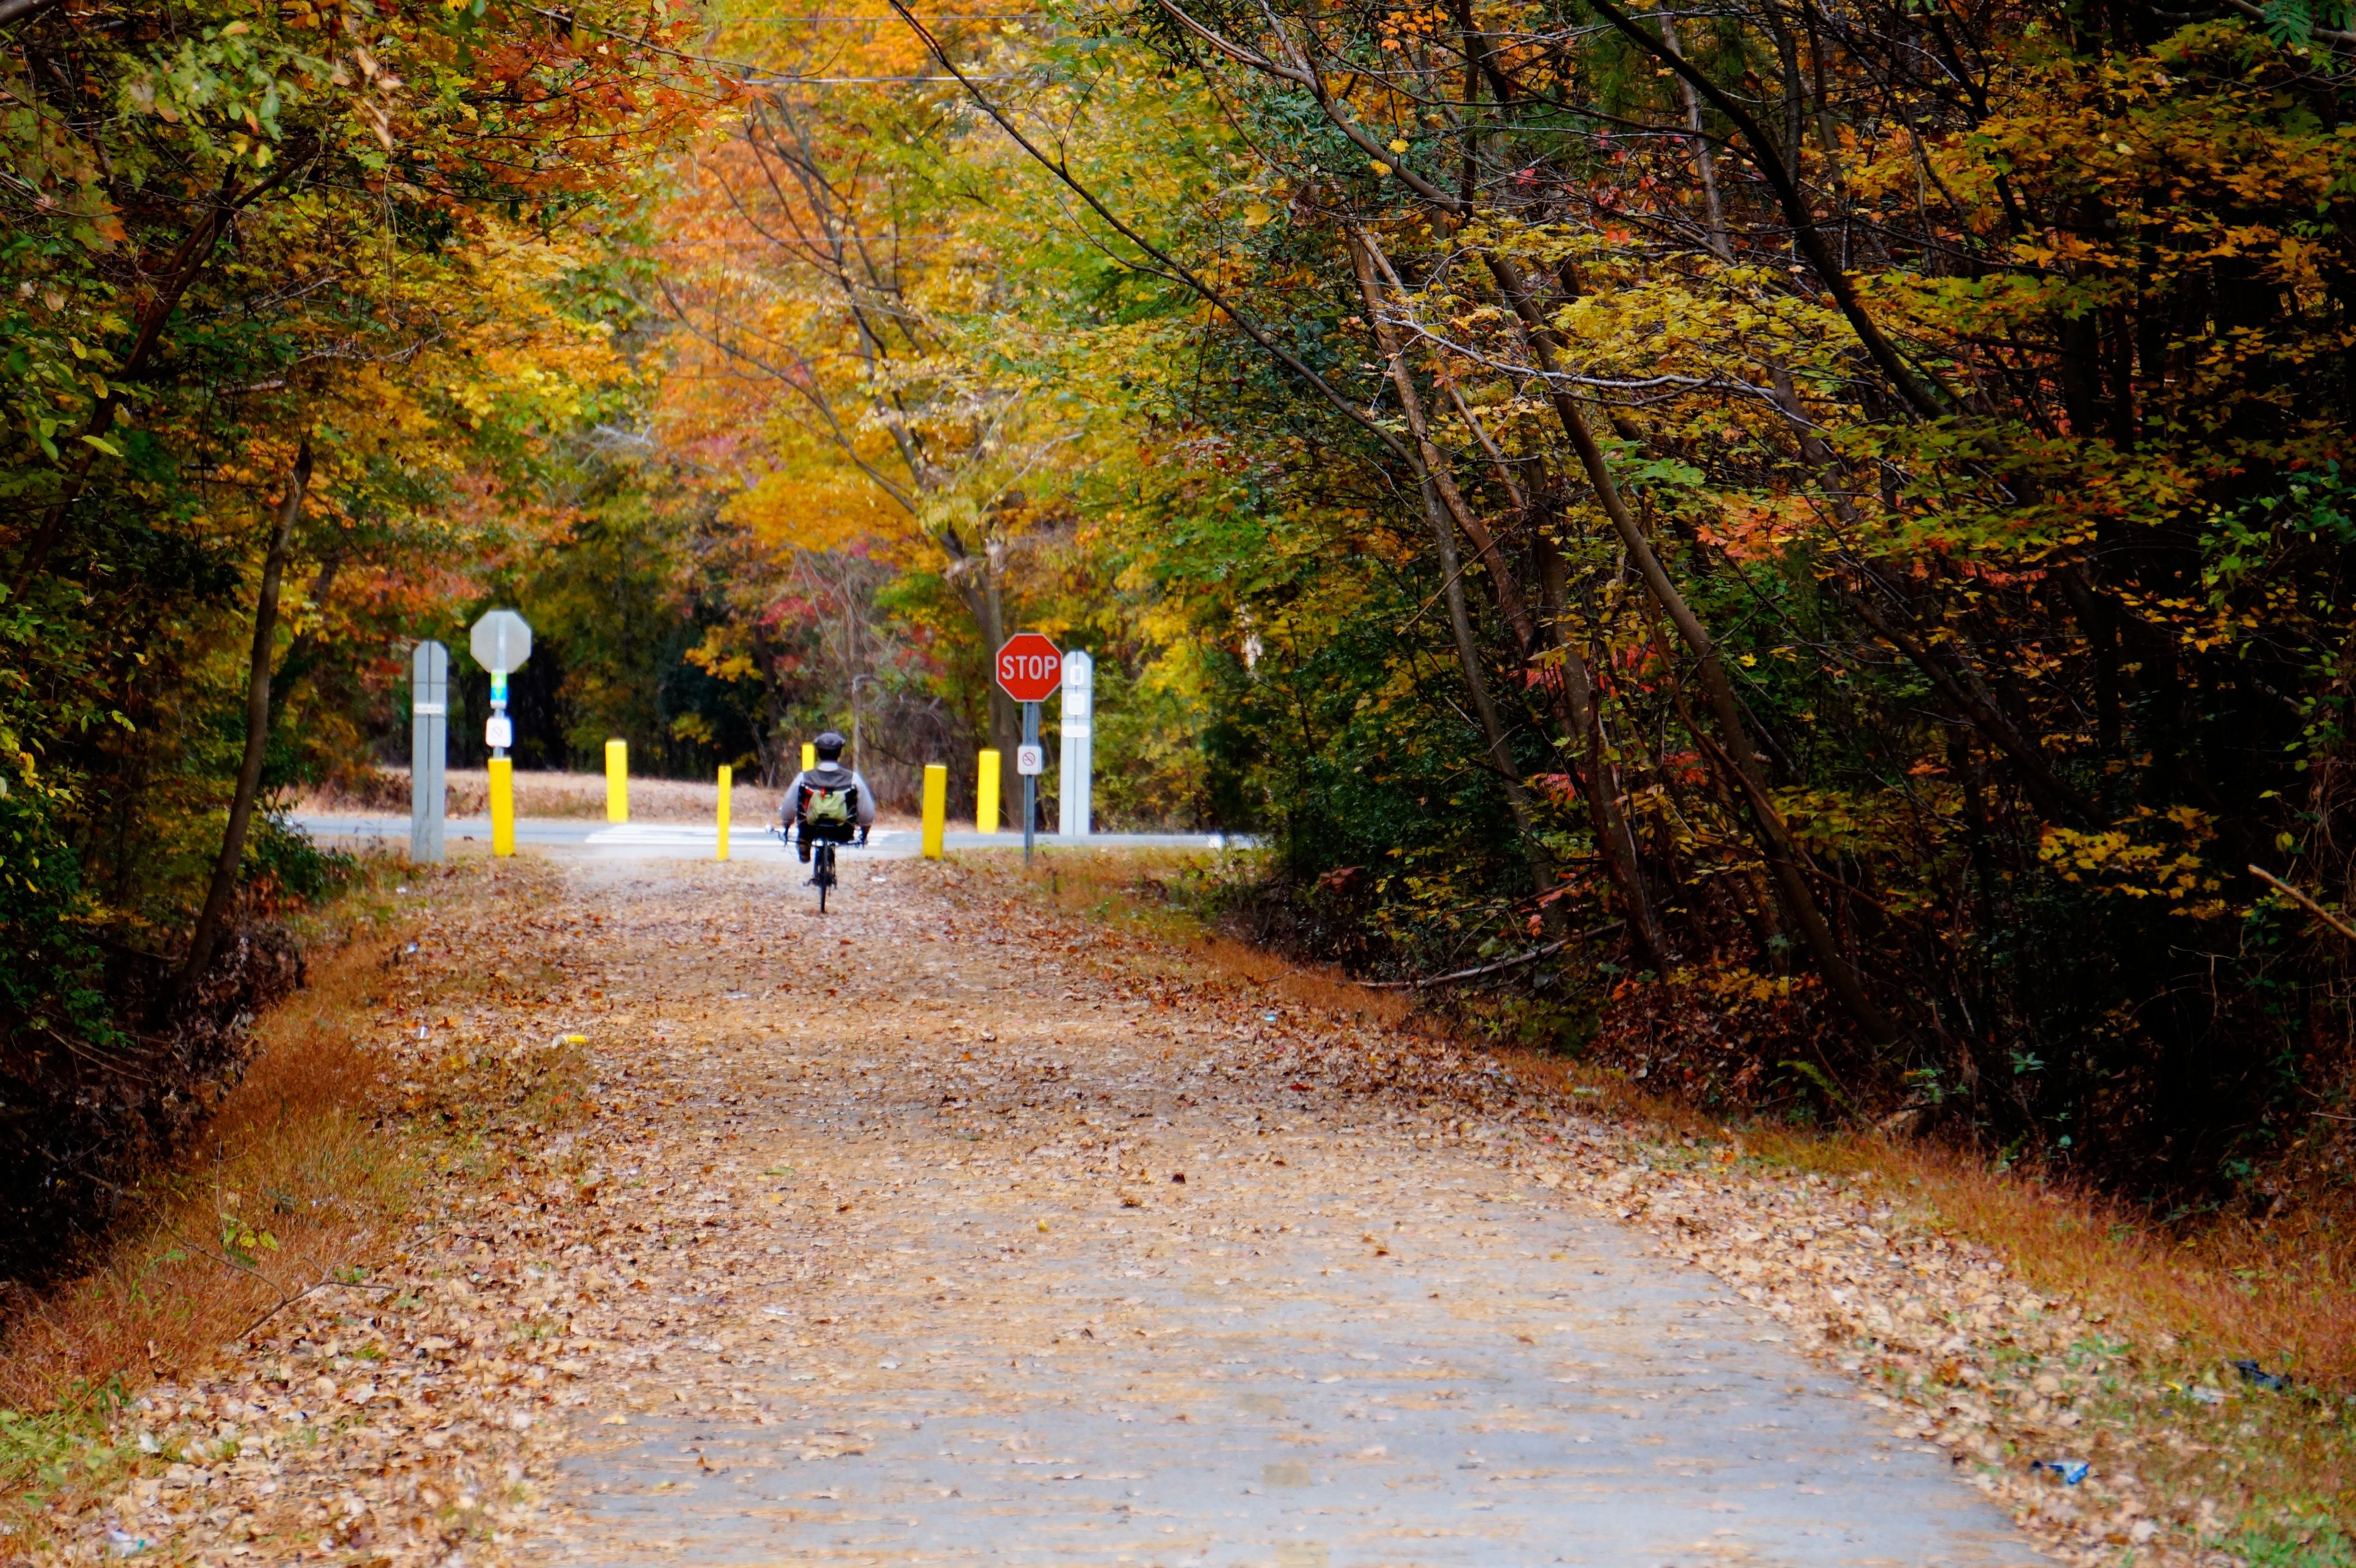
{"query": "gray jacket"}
[(827, 775)]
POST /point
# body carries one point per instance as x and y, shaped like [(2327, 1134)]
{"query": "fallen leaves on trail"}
[(601, 1207), (1955, 1351)]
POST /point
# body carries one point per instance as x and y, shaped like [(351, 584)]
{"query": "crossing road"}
[(690, 841)]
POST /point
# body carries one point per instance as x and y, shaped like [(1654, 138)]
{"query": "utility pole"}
[(858, 757)]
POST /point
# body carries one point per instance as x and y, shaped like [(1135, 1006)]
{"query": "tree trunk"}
[(202, 940), (1441, 502), (1949, 668), (1005, 713), (1613, 838), (15, 11), (306, 650), (1774, 839), (1575, 699), (1704, 162), (1468, 655), (975, 576)]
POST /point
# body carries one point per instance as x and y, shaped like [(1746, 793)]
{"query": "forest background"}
[(1809, 540)]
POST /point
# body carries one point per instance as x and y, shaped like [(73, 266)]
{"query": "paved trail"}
[(961, 1249)]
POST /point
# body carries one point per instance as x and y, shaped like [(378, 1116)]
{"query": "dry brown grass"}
[(2222, 1288), (2193, 1298), (2205, 1290), (303, 1177), (1320, 986), (291, 1183), (2212, 1288), (547, 795), (294, 1152), (2190, 1297), (288, 1186)]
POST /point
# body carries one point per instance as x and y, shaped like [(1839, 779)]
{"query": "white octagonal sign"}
[(501, 641)]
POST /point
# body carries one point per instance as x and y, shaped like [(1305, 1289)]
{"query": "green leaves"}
[(245, 1244), (2295, 21), (209, 251), (1665, 471), (227, 88)]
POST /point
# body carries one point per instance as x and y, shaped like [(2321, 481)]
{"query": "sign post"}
[(500, 643), (429, 751), (1076, 732), (1029, 669), (1029, 758)]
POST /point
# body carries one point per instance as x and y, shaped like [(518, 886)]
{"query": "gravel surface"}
[(936, 1230)]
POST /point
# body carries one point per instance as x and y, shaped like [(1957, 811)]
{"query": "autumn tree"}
[(1848, 464), (869, 288), (275, 284)]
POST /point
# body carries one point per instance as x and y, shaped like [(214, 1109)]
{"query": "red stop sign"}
[(1029, 668)]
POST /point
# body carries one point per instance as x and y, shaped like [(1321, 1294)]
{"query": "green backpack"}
[(827, 807)]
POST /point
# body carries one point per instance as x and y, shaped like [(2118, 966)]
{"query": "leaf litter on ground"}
[(417, 1416)]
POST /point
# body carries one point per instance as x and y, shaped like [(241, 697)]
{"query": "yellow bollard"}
[(809, 756), (985, 796), (727, 779), (617, 781), (502, 805), (936, 807)]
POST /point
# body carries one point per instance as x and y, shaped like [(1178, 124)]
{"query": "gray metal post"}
[(429, 751), (1030, 781)]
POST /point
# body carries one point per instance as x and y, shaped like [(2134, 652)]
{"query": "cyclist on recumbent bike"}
[(828, 804)]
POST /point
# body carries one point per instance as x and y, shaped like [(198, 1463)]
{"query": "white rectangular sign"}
[(1079, 691), (499, 732), (1030, 761)]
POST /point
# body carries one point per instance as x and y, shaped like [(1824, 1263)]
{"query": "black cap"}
[(828, 745)]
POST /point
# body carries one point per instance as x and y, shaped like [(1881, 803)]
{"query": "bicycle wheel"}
[(825, 874)]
